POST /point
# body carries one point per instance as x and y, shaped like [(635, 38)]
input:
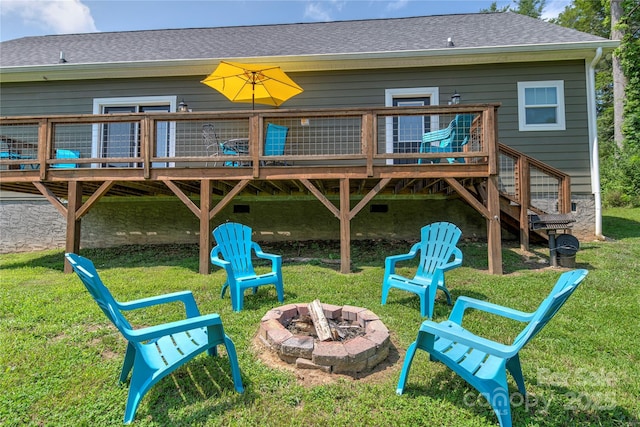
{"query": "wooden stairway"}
[(522, 182)]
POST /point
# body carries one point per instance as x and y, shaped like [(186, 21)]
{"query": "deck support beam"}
[(524, 201), (491, 213), (205, 226), (74, 211), (494, 239), (73, 222), (345, 227), (345, 214)]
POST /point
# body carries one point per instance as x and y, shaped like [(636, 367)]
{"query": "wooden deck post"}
[(565, 198), (72, 243), (494, 238), (205, 226), (524, 200), (345, 227)]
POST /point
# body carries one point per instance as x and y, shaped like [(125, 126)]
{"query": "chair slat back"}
[(462, 130), (437, 243), (66, 154), (85, 269), (275, 140), (234, 242), (442, 135), (564, 287)]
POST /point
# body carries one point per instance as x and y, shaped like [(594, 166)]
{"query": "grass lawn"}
[(60, 358)]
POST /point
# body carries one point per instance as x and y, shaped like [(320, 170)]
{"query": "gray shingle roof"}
[(343, 37)]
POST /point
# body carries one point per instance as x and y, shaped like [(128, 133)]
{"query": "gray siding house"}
[(541, 76)]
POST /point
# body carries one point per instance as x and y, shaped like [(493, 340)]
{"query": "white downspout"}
[(593, 141)]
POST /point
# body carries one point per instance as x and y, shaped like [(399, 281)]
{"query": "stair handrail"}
[(522, 179)]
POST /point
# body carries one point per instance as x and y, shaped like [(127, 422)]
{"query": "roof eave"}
[(321, 62)]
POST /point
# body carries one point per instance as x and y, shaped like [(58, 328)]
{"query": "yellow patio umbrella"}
[(262, 84)]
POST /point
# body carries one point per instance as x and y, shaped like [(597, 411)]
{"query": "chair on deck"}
[(233, 252), (66, 154), (481, 362), (155, 351), (450, 139), (7, 153), (274, 140), (438, 254), (214, 147)]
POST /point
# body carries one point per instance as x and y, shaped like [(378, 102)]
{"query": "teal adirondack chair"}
[(274, 140), (155, 351), (479, 361), (438, 254), (233, 252), (66, 154), (450, 139)]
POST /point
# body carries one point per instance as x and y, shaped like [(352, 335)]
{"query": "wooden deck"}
[(346, 153)]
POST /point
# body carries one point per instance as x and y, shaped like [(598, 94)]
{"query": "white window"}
[(122, 139), (541, 105), (404, 133)]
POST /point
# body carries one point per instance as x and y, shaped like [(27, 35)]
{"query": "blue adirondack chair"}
[(275, 139), (479, 361), (233, 252), (438, 254), (7, 153), (450, 139), (156, 351), (66, 154)]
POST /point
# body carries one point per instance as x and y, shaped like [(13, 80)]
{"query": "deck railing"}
[(533, 184), (219, 143), (216, 140)]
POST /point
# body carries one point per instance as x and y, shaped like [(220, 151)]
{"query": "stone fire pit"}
[(349, 356)]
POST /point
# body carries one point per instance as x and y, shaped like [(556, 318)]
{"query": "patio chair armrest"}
[(152, 332), (276, 260), (455, 263), (236, 146), (390, 261), (228, 268), (456, 333), (463, 303), (185, 297), (216, 260)]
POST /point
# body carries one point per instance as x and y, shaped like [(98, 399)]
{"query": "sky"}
[(22, 18)]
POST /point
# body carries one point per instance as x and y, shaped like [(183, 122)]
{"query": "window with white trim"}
[(541, 105), (122, 139)]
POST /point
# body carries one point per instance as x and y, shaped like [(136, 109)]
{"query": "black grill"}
[(551, 221)]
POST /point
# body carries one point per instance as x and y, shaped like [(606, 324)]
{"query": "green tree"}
[(629, 53), (620, 165), (588, 16), (494, 8), (531, 8)]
